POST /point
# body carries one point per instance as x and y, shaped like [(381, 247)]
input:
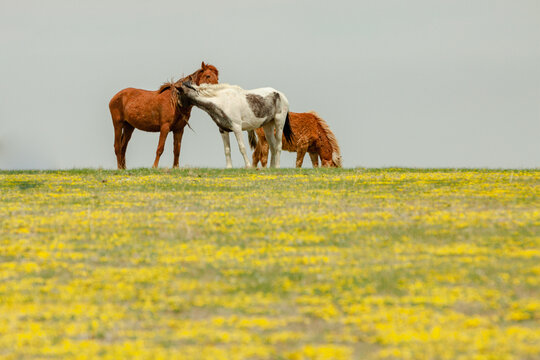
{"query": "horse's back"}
[(141, 108), (262, 91), (265, 91), (230, 94), (120, 99), (133, 94), (280, 100)]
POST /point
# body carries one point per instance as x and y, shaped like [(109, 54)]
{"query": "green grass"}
[(270, 264)]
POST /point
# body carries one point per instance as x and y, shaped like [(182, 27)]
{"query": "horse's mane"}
[(210, 90), (171, 84), (165, 86), (175, 95), (336, 154)]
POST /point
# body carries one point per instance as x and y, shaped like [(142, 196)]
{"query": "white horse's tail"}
[(336, 153), (287, 131), (252, 139)]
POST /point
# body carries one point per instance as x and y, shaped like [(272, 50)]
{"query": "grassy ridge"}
[(272, 264)]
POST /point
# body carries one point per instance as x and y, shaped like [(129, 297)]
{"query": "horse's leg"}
[(118, 144), (314, 159), (126, 135), (279, 138), (241, 146), (271, 139), (256, 156), (264, 154), (161, 145), (226, 147), (177, 143), (261, 152), (300, 153)]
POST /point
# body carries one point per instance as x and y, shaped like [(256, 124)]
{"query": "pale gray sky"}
[(419, 83)]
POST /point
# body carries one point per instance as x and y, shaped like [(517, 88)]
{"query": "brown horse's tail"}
[(336, 153), (287, 131), (252, 139)]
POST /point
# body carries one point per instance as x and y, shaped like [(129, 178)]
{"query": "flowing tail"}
[(252, 139), (287, 131)]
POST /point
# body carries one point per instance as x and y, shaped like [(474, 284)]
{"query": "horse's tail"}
[(336, 154), (287, 131), (252, 139)]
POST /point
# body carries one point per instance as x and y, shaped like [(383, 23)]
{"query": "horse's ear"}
[(203, 65)]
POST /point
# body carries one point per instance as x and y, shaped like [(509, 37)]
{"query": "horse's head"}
[(189, 85), (327, 163), (334, 161), (208, 74), (187, 89)]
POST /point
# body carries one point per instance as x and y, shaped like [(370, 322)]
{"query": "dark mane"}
[(171, 84), (175, 95), (193, 78), (166, 85)]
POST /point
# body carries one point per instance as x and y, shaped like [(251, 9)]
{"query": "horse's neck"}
[(184, 110), (204, 103), (214, 111)]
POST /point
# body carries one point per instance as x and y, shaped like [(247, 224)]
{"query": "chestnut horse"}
[(310, 134), (155, 111)]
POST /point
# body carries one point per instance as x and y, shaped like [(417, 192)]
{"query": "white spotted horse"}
[(235, 109)]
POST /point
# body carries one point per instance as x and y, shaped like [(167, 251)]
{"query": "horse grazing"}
[(235, 109), (155, 111), (310, 134)]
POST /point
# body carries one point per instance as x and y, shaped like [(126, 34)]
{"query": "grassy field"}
[(282, 264)]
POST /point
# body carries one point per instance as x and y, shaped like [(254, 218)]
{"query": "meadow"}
[(270, 264)]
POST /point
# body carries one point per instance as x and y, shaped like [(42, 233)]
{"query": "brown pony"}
[(156, 111), (310, 134)]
